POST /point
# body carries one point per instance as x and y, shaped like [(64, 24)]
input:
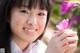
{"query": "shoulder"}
[(41, 46)]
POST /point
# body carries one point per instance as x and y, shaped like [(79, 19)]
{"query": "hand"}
[(73, 43), (64, 41)]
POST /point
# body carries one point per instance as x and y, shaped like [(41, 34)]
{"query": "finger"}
[(76, 41), (69, 46), (68, 40), (67, 34), (58, 33), (71, 50), (55, 37)]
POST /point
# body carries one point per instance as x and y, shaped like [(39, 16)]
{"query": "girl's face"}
[(27, 25)]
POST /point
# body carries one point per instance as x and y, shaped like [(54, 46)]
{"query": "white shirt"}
[(37, 47)]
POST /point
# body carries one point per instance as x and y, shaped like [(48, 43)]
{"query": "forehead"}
[(41, 4)]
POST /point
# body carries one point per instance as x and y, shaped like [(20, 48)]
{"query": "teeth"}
[(29, 30)]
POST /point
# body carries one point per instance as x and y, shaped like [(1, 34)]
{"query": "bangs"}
[(42, 4)]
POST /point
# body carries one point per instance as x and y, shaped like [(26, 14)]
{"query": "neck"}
[(21, 43)]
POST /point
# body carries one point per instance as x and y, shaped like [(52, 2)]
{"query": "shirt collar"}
[(16, 49)]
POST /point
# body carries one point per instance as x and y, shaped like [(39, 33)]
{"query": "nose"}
[(32, 20)]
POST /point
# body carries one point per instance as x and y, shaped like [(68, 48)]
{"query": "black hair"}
[(5, 10)]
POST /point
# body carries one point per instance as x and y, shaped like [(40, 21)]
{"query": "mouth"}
[(30, 31)]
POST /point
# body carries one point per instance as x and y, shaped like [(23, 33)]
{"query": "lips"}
[(30, 31)]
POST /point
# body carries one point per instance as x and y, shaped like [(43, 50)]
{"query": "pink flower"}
[(66, 7), (64, 24), (52, 1), (76, 18)]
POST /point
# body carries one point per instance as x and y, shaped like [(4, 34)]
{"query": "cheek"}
[(42, 22), (17, 21)]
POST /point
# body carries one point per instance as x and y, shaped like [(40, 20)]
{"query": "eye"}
[(41, 14), (24, 11)]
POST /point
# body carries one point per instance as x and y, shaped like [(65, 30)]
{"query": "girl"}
[(22, 24)]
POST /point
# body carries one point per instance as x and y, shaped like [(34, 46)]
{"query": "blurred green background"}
[(56, 17)]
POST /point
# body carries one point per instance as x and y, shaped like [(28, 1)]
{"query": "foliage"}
[(70, 10)]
